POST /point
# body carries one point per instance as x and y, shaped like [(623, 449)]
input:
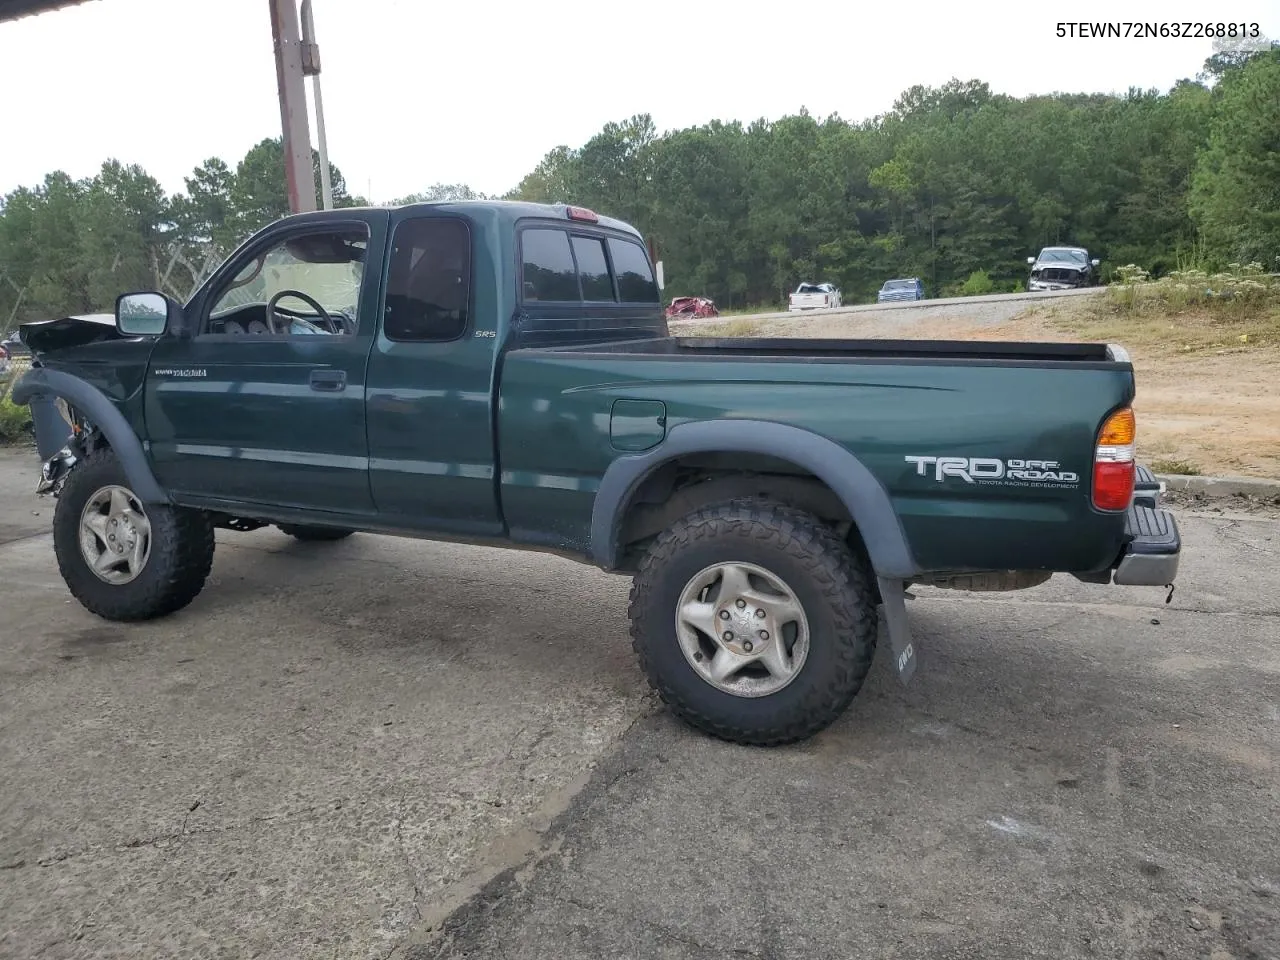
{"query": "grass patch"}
[(1184, 468), (1185, 312)]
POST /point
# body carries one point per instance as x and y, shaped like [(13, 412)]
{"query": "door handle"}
[(331, 380)]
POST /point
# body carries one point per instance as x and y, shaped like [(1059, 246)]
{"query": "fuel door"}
[(637, 424)]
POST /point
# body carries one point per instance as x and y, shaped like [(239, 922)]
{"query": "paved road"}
[(912, 306), (385, 748)]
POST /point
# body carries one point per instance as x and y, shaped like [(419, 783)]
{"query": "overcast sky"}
[(477, 92)]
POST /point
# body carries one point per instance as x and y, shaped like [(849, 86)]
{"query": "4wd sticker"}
[(988, 470)]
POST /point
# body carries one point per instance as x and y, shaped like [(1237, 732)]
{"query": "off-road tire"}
[(180, 559), (299, 532), (833, 584)]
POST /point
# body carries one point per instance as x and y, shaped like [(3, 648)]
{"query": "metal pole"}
[(293, 106), (326, 187), (311, 65)]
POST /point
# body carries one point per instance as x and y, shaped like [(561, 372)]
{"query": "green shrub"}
[(1240, 289), (1185, 468), (15, 421), (978, 283)]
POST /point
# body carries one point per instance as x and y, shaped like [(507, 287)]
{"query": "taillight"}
[(1113, 463)]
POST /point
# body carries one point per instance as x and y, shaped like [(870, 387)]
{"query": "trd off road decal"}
[(1005, 473)]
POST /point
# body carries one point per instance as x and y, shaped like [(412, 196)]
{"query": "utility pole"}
[(299, 174), (311, 68)]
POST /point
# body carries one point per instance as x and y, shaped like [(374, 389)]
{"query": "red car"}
[(689, 308)]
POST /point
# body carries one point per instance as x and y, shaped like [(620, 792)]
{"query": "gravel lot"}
[(888, 319), (384, 748)]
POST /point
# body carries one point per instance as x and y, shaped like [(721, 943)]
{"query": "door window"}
[(303, 285)]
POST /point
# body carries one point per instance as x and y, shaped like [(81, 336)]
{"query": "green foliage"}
[(1240, 290), (1176, 467), (15, 421), (1236, 192), (70, 246), (258, 193), (953, 182), (442, 191), (977, 284)]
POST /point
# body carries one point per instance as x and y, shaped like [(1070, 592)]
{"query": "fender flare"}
[(857, 487), (40, 386)]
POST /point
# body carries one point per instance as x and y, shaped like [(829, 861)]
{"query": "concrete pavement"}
[(384, 748)]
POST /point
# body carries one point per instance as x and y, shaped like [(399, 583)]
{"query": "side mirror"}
[(1031, 260), (1095, 262), (142, 314)]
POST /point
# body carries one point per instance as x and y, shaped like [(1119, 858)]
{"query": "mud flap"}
[(893, 596), (51, 428)]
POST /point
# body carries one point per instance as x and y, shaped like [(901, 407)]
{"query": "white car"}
[(814, 296)]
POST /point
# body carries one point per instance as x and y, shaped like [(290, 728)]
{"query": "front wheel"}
[(754, 621), (121, 558)]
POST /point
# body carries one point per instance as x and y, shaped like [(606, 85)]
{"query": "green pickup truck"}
[(501, 373)]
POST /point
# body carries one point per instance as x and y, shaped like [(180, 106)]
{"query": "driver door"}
[(267, 406)]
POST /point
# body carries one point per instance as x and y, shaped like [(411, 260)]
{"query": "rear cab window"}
[(635, 277), (547, 269), (569, 265), (593, 269)]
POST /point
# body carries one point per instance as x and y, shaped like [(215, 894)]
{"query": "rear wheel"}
[(299, 532), (754, 621), (122, 559)]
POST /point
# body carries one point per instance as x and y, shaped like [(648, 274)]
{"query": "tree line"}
[(955, 182)]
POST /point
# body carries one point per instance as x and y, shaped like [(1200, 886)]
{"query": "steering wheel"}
[(336, 327)]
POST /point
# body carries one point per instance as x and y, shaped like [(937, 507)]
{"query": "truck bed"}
[(893, 404)]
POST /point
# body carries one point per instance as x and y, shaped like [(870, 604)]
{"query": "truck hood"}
[(74, 331)]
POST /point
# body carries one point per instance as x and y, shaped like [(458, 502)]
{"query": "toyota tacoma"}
[(501, 373)]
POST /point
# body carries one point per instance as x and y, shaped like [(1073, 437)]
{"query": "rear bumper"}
[(1152, 545), (1150, 556)]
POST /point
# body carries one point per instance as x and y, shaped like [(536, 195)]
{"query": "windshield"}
[(1063, 253), (811, 288), (336, 286), (899, 284)]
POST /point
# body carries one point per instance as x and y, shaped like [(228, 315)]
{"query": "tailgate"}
[(808, 301)]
